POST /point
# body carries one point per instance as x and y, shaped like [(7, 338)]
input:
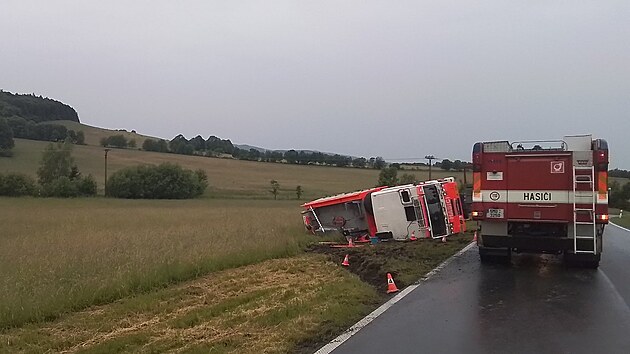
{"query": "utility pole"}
[(430, 158), (106, 151)]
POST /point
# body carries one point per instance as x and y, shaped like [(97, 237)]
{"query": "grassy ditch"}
[(276, 306), (406, 261), (287, 305)]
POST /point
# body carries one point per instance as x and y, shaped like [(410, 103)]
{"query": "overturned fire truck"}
[(428, 209), (541, 196)]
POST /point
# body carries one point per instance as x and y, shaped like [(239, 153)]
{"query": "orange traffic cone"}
[(350, 242), (475, 237), (391, 286), (413, 236), (444, 239), (345, 262)]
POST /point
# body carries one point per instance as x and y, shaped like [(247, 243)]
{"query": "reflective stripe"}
[(602, 186), (476, 197), (538, 197)]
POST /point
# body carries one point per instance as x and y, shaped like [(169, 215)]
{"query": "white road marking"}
[(615, 292), (621, 227), (326, 349)]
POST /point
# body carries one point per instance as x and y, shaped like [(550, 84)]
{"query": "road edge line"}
[(621, 227), (333, 344)]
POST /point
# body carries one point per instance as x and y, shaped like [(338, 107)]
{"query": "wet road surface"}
[(535, 305)]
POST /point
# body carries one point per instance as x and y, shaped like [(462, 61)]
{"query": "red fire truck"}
[(541, 196), (427, 209)]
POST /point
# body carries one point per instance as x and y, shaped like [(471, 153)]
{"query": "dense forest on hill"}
[(34, 108)]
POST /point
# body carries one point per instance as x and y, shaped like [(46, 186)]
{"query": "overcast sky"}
[(398, 79)]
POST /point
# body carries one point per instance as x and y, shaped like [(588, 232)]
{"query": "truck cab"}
[(427, 209)]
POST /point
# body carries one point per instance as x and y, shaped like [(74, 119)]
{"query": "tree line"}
[(118, 141), (26, 129), (215, 147), (619, 173), (35, 108)]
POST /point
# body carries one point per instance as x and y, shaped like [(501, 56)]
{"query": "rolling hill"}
[(227, 177)]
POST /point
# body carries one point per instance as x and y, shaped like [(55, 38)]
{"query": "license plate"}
[(495, 213)]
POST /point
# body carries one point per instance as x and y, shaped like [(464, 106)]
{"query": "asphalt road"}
[(536, 305)]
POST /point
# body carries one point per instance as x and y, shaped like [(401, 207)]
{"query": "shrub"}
[(17, 185), (165, 181), (66, 187), (56, 162), (62, 187), (118, 141), (86, 186)]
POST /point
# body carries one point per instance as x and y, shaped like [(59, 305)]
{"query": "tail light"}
[(476, 214), (602, 217), (601, 159), (602, 156)]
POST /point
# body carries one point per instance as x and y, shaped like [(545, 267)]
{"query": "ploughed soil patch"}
[(407, 261)]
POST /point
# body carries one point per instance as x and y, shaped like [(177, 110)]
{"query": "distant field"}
[(93, 135), (62, 255), (228, 178)]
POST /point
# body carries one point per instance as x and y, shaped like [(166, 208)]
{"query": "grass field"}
[(62, 255), (227, 178), (228, 276), (623, 221), (277, 306)]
